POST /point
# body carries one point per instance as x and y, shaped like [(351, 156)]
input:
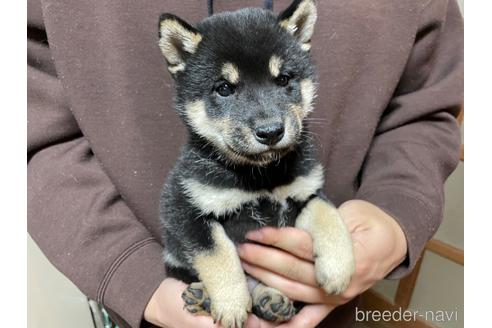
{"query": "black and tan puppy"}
[(244, 86)]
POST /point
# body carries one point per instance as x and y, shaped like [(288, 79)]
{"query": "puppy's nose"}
[(269, 134)]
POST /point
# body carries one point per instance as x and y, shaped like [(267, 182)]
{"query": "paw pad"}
[(196, 299), (271, 305)]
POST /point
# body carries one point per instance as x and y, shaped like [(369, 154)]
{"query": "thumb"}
[(309, 317)]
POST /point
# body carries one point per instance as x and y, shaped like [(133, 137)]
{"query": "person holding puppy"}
[(102, 136)]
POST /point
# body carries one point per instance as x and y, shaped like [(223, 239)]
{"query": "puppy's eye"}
[(282, 80), (225, 89)]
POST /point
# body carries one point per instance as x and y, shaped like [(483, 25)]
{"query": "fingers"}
[(345, 297), (298, 291), (199, 321), (292, 240), (255, 322), (280, 262), (309, 317), (292, 289), (296, 277), (170, 308)]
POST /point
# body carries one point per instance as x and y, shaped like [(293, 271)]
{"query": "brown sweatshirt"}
[(102, 133)]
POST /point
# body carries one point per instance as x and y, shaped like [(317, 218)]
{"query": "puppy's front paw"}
[(333, 271), (332, 244), (232, 308)]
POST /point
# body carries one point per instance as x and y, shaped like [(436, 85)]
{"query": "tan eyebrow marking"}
[(230, 72), (274, 65)]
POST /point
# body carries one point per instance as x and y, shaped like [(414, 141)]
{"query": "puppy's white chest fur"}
[(221, 201)]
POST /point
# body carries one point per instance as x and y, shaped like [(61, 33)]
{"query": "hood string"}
[(268, 4), (210, 4)]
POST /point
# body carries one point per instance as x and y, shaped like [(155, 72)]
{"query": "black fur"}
[(165, 16), (244, 85), (289, 11), (248, 38)]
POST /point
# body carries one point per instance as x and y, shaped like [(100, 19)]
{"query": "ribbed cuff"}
[(131, 281), (418, 220)]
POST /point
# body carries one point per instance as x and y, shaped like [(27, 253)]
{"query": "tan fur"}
[(200, 122), (308, 92), (302, 187), (176, 68), (172, 33), (239, 159), (274, 65), (332, 245), (230, 72), (299, 113), (286, 25), (215, 131), (306, 46), (220, 201), (289, 136), (221, 273), (301, 22)]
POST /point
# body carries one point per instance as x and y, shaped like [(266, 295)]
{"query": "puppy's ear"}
[(299, 21), (177, 40)]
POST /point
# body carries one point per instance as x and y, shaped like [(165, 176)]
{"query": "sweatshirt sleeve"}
[(75, 213), (417, 142)]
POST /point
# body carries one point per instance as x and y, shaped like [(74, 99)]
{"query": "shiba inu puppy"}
[(244, 85)]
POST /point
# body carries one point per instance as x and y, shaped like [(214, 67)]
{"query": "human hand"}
[(166, 309), (379, 246)]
